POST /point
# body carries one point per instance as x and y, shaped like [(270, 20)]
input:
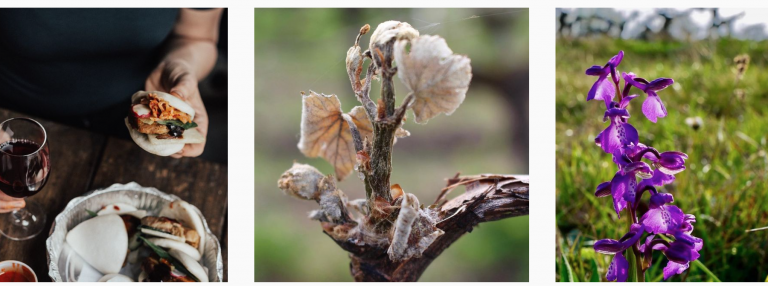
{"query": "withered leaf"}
[(388, 30), (438, 79), (324, 132)]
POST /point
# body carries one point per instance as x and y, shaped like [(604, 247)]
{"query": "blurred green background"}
[(725, 184), (304, 49)]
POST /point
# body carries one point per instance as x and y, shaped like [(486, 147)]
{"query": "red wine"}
[(22, 174)]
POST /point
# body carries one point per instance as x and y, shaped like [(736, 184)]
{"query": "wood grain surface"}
[(82, 161)]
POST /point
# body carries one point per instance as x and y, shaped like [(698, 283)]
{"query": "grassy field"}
[(725, 184), (304, 49)]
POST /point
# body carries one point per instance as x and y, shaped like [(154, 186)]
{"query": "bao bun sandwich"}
[(161, 123)]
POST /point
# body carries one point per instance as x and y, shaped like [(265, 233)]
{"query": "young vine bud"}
[(301, 181)]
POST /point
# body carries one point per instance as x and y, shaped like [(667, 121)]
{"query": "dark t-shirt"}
[(78, 62)]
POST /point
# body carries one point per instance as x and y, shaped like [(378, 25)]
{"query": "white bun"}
[(101, 241), (142, 276), (120, 209), (190, 263), (161, 234), (116, 278), (187, 215), (176, 102), (143, 142), (180, 246)]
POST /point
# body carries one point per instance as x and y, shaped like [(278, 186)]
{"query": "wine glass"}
[(24, 169)]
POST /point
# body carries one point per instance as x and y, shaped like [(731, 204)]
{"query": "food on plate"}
[(115, 278), (101, 241), (186, 215), (157, 268), (161, 123), (121, 208), (120, 238), (175, 245), (170, 229)]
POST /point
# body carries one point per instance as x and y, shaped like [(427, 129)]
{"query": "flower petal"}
[(665, 219), (647, 243), (660, 199), (635, 81), (653, 107), (603, 89), (597, 71), (673, 268), (616, 60), (608, 246), (660, 178), (627, 85), (694, 242), (638, 167), (620, 184), (687, 225), (603, 189), (615, 113), (672, 162), (619, 269), (659, 84), (681, 252), (621, 159), (625, 101), (634, 234), (618, 135)]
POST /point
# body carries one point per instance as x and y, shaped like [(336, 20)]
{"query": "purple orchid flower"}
[(665, 164), (619, 133), (603, 89), (653, 107), (670, 220), (636, 161), (662, 218), (624, 184), (671, 162), (619, 268), (679, 252)]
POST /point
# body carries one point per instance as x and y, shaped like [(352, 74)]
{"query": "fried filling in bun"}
[(155, 115), (161, 270), (172, 227), (162, 110)]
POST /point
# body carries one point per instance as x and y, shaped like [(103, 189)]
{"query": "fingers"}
[(193, 150), (185, 89), (11, 205), (190, 150)]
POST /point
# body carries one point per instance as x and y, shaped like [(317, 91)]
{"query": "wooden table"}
[(83, 161)]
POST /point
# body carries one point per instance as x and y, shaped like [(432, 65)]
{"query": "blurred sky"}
[(750, 25)]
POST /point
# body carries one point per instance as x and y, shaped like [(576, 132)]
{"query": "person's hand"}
[(9, 204), (177, 78)]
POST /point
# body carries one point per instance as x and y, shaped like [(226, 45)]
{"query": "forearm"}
[(193, 41)]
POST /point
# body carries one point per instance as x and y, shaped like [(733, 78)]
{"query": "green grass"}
[(725, 184)]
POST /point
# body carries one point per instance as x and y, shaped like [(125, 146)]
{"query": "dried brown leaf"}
[(392, 30), (437, 78), (324, 132)]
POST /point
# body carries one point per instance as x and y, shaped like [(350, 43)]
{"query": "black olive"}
[(174, 130)]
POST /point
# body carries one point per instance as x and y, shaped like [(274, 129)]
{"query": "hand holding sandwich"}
[(191, 56), (175, 78)]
